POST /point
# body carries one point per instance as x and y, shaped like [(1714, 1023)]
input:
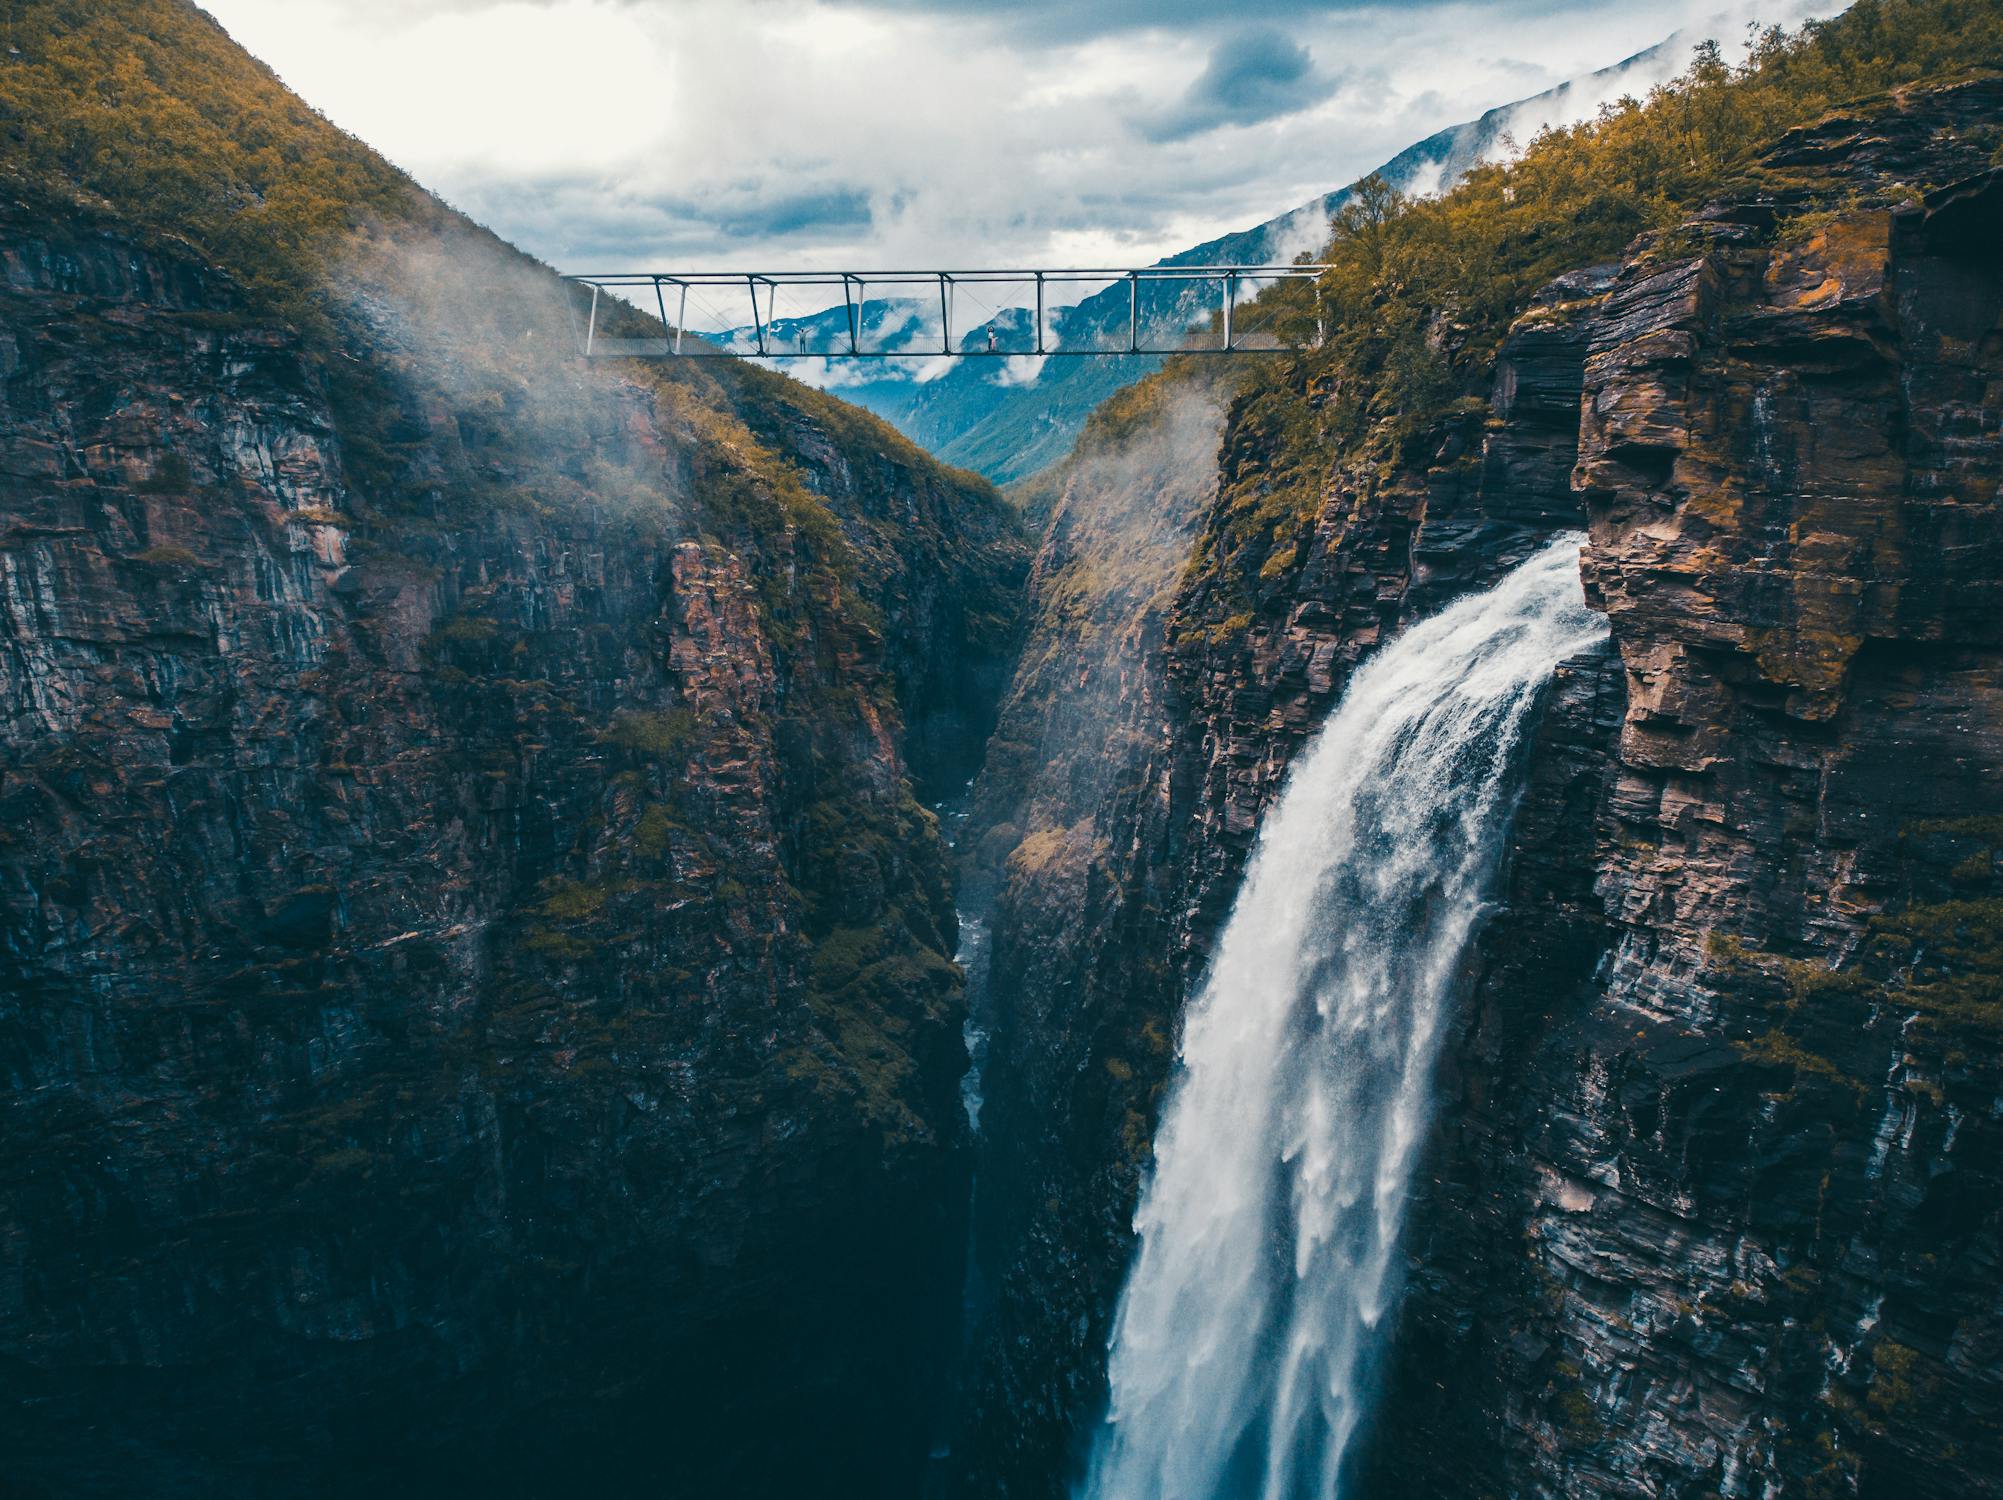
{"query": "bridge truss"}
[(1072, 312)]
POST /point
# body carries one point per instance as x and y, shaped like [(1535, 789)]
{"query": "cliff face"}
[(1711, 1204), (1746, 1173), (475, 999), (1073, 850), (476, 1006)]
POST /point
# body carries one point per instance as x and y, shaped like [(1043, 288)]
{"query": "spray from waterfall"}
[(1242, 1354)]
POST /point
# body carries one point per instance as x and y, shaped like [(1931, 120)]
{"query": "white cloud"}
[(785, 134), (448, 89)]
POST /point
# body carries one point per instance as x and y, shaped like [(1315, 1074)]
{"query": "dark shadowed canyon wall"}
[(476, 1009)]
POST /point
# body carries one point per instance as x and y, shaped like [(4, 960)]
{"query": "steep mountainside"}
[(1712, 1206), (1753, 1155), (476, 1007)]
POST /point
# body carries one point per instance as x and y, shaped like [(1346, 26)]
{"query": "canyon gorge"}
[(1468, 856)]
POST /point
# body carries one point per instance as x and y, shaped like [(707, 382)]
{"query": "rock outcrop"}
[(476, 1009), (1711, 1206), (1745, 1171)]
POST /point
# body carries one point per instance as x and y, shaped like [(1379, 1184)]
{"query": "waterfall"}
[(1242, 1350)]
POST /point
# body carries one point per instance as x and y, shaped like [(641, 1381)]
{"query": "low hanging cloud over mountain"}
[(782, 134)]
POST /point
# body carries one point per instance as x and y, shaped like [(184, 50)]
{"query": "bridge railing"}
[(1070, 312)]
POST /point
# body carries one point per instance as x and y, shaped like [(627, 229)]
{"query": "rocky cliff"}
[(476, 1008), (1745, 1168), (1712, 1204)]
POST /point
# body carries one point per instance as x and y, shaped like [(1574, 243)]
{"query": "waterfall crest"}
[(1241, 1353)]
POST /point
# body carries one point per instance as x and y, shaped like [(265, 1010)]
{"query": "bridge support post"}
[(757, 318)]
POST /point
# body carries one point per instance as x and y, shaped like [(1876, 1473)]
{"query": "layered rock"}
[(1742, 1168), (475, 998), (1075, 852), (1710, 1207)]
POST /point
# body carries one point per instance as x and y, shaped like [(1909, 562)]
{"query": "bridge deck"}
[(1068, 312)]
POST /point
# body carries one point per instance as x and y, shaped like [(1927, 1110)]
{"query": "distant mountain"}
[(1009, 418)]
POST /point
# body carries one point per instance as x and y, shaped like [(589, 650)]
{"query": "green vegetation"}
[(167, 556), (466, 630), (654, 833), (660, 733), (1949, 958), (148, 106), (1936, 957), (1420, 292), (1572, 1410), (1901, 1382), (1578, 195), (142, 116), (571, 900), (1577, 1416), (1775, 1048)]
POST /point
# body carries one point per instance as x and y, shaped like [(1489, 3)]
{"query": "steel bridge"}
[(1071, 312)]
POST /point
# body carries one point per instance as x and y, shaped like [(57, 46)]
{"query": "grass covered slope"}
[(149, 109)]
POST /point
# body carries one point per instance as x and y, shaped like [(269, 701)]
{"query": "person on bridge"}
[(991, 339)]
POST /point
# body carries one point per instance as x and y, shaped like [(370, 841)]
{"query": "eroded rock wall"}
[(1711, 1204), (1747, 1171), (475, 1008)]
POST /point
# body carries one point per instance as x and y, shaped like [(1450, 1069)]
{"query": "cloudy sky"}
[(801, 134)]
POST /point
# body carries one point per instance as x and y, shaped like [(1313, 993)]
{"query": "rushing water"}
[(1242, 1353), (971, 955)]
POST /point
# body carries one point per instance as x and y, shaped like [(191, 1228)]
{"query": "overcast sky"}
[(801, 134)]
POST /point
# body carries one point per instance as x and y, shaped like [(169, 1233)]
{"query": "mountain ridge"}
[(1006, 427)]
